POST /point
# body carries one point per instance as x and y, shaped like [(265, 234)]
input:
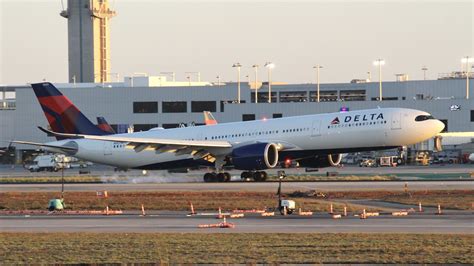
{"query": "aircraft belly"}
[(335, 139)]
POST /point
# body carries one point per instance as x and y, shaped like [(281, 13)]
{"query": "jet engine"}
[(321, 161), (257, 156)]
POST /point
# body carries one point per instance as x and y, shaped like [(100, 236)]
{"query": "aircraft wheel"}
[(259, 176), (209, 177), (220, 177), (246, 176), (263, 176), (227, 177)]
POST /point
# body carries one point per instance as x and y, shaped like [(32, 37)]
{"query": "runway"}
[(251, 186), (457, 223), (406, 171)]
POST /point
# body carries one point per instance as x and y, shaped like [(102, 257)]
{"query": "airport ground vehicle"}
[(287, 206), (447, 157), (368, 163), (389, 161), (43, 163), (54, 162)]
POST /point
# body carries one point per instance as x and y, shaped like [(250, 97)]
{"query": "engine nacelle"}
[(321, 161), (257, 156)]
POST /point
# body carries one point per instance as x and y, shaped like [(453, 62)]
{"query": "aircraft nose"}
[(439, 126)]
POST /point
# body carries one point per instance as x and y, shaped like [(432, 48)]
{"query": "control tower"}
[(88, 40)]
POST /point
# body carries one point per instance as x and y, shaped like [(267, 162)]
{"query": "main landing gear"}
[(257, 176), (217, 177)]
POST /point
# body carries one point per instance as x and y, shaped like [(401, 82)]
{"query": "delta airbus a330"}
[(253, 146)]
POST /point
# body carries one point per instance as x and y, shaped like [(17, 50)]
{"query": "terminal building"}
[(142, 103)]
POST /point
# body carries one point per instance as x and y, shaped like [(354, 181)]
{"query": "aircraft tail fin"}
[(209, 118), (62, 115), (104, 126)]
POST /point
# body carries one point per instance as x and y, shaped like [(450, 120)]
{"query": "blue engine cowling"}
[(257, 156)]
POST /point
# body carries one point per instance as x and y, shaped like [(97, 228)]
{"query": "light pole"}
[(369, 76), (218, 80), (424, 68), (238, 66), (380, 62), (317, 67), (466, 60), (270, 66), (256, 80)]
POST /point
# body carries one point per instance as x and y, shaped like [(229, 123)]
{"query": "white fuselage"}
[(320, 133)]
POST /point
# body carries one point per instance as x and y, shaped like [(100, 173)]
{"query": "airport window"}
[(170, 125), (324, 96), (120, 128), (145, 107), (293, 96), (419, 97), (143, 127), (352, 95), (472, 115), (174, 107), (385, 98), (223, 103), (248, 117), (201, 106), (263, 97), (277, 115)]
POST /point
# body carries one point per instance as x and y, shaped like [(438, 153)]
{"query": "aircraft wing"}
[(197, 148), (174, 142)]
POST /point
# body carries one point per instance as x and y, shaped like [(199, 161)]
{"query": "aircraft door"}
[(316, 128), (108, 147), (396, 121)]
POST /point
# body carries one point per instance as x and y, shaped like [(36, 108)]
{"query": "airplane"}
[(103, 125), (315, 141), (209, 118)]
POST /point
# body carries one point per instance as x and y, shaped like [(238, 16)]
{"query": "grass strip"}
[(54, 248), (50, 179), (229, 200), (179, 201)]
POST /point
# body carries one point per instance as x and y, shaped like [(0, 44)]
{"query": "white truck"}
[(54, 162), (43, 163)]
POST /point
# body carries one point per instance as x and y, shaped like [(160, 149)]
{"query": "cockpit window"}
[(423, 118)]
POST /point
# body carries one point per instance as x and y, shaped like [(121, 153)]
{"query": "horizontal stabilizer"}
[(66, 148)]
